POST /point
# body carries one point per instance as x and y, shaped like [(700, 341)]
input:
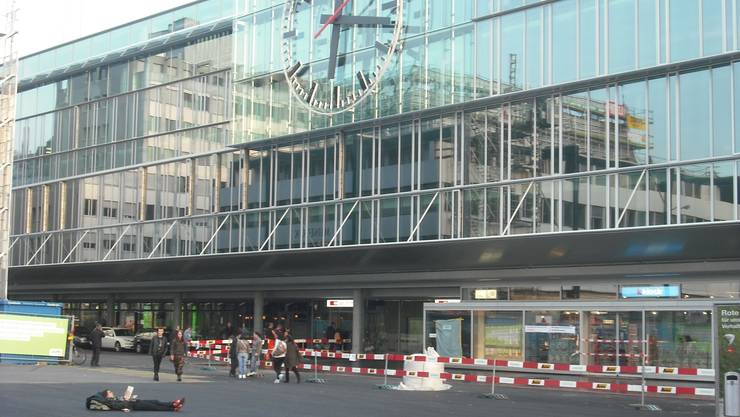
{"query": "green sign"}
[(728, 342), (33, 335)]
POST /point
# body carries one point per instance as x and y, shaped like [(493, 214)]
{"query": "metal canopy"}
[(709, 248)]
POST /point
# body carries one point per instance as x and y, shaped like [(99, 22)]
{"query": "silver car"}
[(117, 338)]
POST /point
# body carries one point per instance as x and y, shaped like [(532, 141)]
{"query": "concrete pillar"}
[(258, 311), (358, 321), (177, 307), (110, 315)]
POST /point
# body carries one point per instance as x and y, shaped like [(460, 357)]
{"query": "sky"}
[(45, 23)]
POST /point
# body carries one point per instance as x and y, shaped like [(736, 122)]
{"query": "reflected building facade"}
[(515, 152)]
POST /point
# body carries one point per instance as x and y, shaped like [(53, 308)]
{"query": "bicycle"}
[(77, 356)]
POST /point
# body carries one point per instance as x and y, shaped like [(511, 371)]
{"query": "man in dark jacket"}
[(96, 342), (233, 359), (158, 348), (106, 401)]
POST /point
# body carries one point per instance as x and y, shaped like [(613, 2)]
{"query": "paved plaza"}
[(59, 391)]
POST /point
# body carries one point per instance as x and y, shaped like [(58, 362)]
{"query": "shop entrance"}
[(676, 333)]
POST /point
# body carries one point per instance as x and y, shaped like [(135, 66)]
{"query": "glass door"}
[(601, 338)]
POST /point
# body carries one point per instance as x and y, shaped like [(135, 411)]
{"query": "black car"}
[(143, 339), (80, 338)]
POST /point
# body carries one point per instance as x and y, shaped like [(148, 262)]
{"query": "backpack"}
[(280, 348)]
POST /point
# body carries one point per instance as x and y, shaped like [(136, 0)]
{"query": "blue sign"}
[(653, 291)]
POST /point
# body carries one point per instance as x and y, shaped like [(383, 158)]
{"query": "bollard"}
[(316, 379), (385, 376), (643, 387), (493, 395), (209, 367)]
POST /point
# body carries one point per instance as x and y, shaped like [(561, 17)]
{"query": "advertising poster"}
[(33, 335), (728, 359)]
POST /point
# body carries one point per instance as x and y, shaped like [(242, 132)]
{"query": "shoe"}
[(252, 374), (179, 379), (277, 381), (156, 377)]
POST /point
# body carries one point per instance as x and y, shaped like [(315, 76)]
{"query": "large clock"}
[(335, 51)]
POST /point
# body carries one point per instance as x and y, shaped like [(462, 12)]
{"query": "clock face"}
[(336, 51)]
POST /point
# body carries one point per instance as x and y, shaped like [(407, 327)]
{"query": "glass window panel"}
[(475, 140), (679, 338), (493, 211), (429, 149), (590, 292), (464, 67), (721, 117), (647, 32), (389, 159), (694, 115), (658, 121), (588, 59), (512, 51), (388, 227), (483, 58), (542, 345), (658, 198), (621, 35), (534, 48), (564, 34), (79, 88), (601, 333), (439, 69), (712, 26), (432, 317), (714, 289), (575, 199), (473, 216), (695, 198), (440, 14), (498, 335), (633, 124), (575, 132), (598, 202), (684, 29), (722, 192)]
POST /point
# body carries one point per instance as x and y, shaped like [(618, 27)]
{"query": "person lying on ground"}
[(106, 401)]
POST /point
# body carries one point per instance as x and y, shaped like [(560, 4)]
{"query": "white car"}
[(117, 338)]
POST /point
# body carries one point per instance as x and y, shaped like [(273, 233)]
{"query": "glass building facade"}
[(177, 136)]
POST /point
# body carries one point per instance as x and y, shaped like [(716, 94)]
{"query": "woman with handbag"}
[(293, 358), (178, 349)]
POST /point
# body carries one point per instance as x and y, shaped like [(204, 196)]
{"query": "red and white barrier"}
[(485, 379), (222, 346)]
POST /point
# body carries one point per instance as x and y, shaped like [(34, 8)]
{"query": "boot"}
[(179, 378), (156, 377)]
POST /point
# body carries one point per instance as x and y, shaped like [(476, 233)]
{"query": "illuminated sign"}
[(446, 300), (653, 291), (485, 294), (339, 303)]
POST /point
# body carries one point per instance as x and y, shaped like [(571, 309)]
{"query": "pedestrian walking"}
[(242, 354), (177, 353), (158, 349), (293, 358), (228, 331), (96, 342), (278, 355), (255, 352), (188, 335), (233, 359)]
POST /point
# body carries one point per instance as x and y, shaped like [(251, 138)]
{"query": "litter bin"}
[(732, 394)]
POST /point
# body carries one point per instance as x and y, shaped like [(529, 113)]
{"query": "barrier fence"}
[(483, 379), (222, 347)]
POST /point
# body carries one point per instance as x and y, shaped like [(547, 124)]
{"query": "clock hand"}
[(332, 18)]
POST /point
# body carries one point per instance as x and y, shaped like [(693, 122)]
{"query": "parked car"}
[(80, 337), (117, 338), (143, 339)]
